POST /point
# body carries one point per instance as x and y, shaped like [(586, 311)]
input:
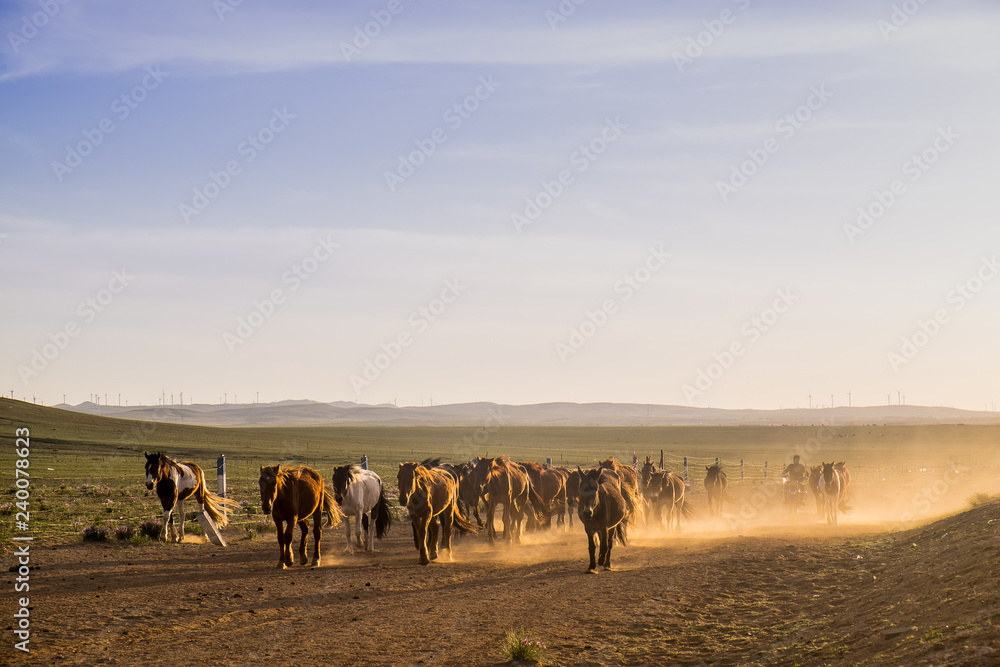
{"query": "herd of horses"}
[(439, 497)]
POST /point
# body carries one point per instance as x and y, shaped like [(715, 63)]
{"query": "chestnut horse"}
[(434, 495), (291, 496), (605, 513), (508, 484), (175, 482), (716, 484)]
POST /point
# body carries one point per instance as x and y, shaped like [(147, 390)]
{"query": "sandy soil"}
[(805, 594)]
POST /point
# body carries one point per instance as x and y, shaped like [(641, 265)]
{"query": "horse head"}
[(342, 477), (829, 477), (155, 464), (590, 482), (269, 486)]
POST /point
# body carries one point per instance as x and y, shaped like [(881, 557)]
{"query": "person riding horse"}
[(794, 471), (794, 476)]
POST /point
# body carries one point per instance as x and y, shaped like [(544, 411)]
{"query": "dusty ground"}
[(805, 594)]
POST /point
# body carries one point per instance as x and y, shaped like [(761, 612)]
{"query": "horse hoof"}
[(607, 568), (282, 566), (591, 571)]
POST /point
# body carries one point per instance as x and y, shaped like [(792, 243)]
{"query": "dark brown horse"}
[(508, 484), (572, 493), (605, 514), (666, 498), (716, 484), (629, 482), (551, 486), (175, 482), (292, 496), (814, 474), (433, 500), (830, 489)]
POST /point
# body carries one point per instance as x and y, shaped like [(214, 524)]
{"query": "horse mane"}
[(430, 462)]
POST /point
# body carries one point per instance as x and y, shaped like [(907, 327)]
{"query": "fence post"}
[(765, 472), (220, 469), (742, 473), (686, 471), (661, 459), (716, 461), (548, 461), (364, 462)]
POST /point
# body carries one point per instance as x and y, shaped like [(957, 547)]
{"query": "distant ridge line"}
[(339, 413)]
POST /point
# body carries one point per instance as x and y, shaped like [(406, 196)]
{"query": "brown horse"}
[(175, 482), (665, 495), (551, 486), (716, 484), (434, 495), (572, 493), (508, 484), (845, 482), (605, 514), (629, 482), (814, 475), (291, 496)]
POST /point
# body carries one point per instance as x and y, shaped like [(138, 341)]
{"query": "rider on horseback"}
[(794, 477), (794, 471)]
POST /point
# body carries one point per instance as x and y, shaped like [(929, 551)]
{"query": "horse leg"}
[(422, 537), (607, 541), (166, 524), (317, 535), (357, 529), (180, 519), (289, 534), (447, 518), (281, 543), (370, 533), (491, 531), (432, 539), (347, 530), (304, 527), (592, 548)]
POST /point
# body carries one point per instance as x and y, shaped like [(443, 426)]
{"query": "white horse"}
[(829, 490), (360, 494)]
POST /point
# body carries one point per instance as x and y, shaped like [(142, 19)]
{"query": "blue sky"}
[(746, 159)]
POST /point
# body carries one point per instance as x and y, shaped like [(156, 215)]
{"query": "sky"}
[(735, 204)]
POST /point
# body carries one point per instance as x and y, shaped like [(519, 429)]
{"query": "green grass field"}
[(79, 462)]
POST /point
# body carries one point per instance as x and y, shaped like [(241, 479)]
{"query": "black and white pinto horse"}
[(175, 482), (360, 494)]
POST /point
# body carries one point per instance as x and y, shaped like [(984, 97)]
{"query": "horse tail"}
[(844, 507), (215, 507), (463, 524), (687, 511), (383, 518), (331, 509), (541, 510)]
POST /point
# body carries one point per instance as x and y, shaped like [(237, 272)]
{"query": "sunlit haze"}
[(735, 205)]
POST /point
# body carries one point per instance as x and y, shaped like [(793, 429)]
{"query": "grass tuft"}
[(522, 645)]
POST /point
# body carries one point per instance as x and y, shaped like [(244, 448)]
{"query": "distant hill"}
[(312, 413)]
